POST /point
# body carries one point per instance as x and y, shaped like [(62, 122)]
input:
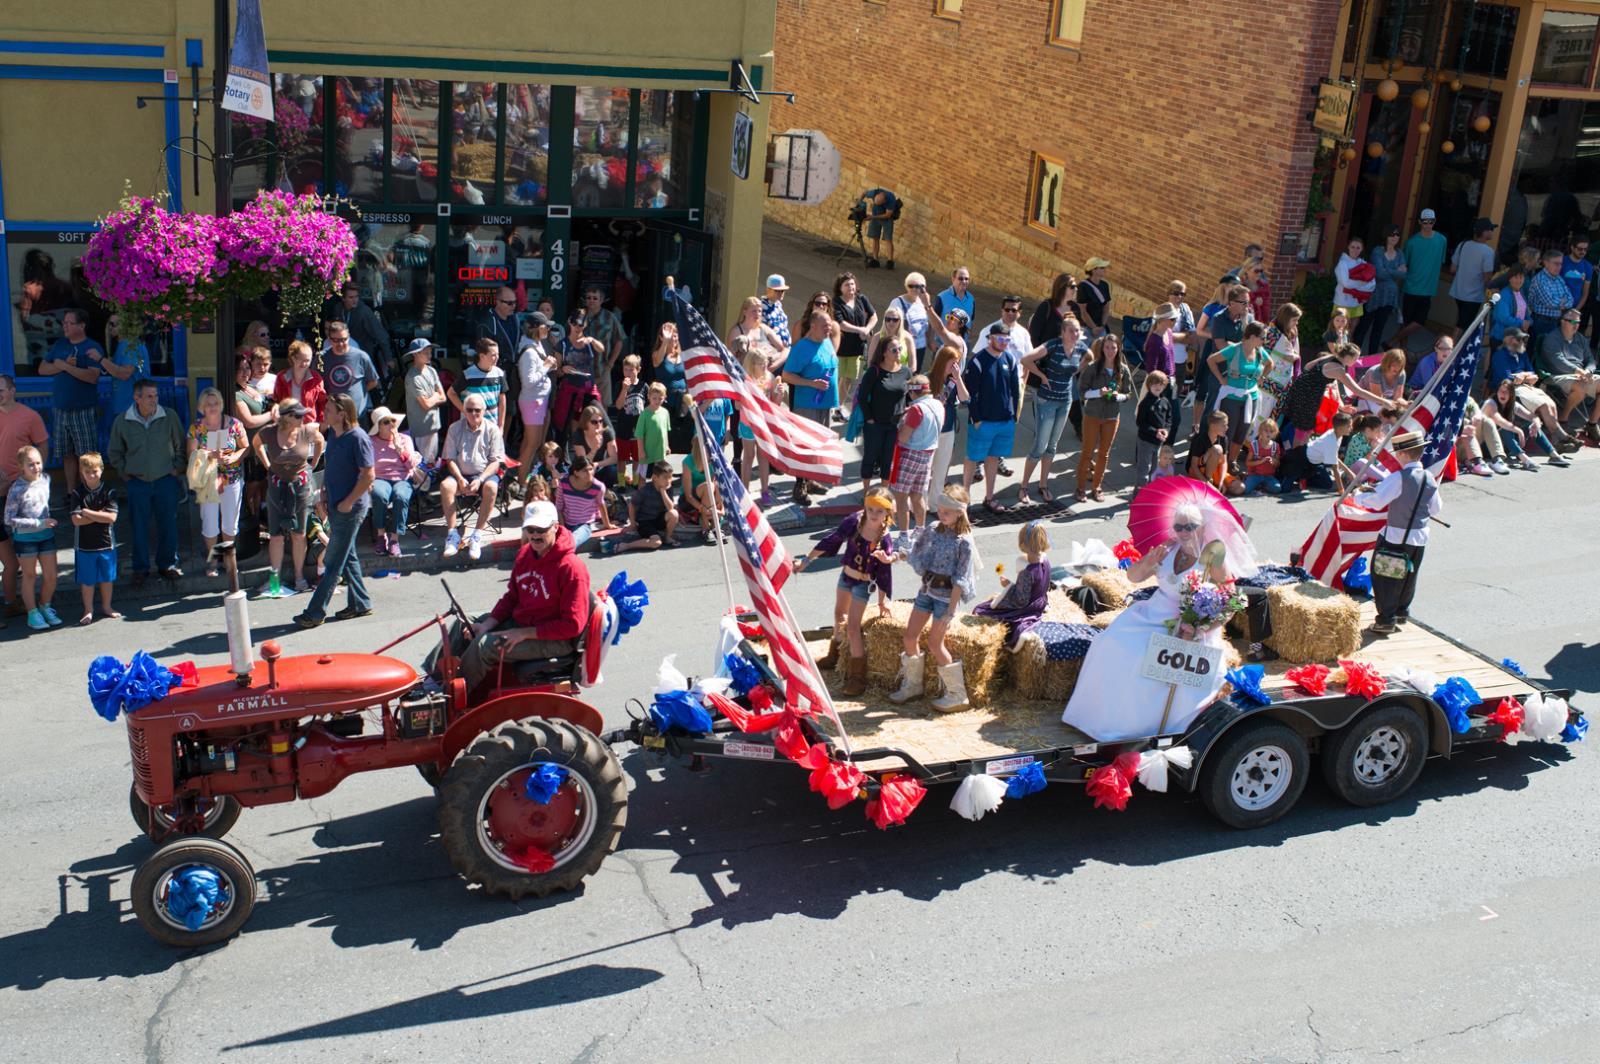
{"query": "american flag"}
[(765, 565), (1350, 528), (794, 445)]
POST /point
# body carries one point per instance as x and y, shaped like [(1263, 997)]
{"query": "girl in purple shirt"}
[(867, 566)]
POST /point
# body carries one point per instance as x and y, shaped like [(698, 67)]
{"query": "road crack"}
[(153, 1035), (666, 919)]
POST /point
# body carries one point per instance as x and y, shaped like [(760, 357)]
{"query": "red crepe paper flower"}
[(837, 781), (1363, 679), (1126, 551), (533, 859), (187, 674), (1508, 714), (1312, 678), (760, 698), (742, 718), (791, 741), (897, 797), (1112, 785)]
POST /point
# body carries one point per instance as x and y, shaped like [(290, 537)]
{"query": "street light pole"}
[(222, 174)]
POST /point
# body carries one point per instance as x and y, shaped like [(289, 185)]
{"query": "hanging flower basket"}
[(289, 243)]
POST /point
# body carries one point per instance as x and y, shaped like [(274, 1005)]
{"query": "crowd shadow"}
[(763, 846), (375, 878)]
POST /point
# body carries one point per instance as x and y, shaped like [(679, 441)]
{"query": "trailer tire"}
[(151, 879), (1376, 757), (1256, 775), (488, 824), (219, 818)]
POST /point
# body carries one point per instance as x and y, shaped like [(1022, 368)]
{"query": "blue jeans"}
[(158, 500), (341, 559), (1261, 480), (581, 535), (391, 504), (1049, 419)]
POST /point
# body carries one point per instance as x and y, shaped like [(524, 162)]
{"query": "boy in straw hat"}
[(1412, 496)]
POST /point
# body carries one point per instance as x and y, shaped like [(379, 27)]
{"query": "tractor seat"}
[(548, 670)]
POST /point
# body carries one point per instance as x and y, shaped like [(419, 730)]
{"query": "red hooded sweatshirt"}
[(549, 594)]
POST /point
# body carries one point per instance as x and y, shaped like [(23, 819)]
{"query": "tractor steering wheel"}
[(456, 607)]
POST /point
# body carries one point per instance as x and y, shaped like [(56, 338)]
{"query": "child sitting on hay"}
[(1023, 602), (946, 558), (866, 566)]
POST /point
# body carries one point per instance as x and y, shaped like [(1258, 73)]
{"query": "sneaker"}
[(394, 547), (766, 499), (1568, 444), (382, 545), (1481, 470), (301, 587), (36, 621), (452, 543), (475, 546), (351, 612), (1527, 463), (50, 616), (1560, 460), (1499, 466)]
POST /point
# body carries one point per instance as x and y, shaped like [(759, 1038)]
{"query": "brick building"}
[(1176, 134)]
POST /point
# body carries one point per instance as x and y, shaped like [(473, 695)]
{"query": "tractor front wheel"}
[(217, 816), (507, 842), (194, 892)]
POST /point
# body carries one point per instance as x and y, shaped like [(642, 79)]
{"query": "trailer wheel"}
[(152, 885), (1376, 757), (220, 814), (509, 844), (1256, 776)]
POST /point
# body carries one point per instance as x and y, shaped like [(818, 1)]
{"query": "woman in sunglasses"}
[(1113, 699)]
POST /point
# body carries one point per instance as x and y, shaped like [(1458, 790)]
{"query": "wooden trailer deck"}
[(995, 730)]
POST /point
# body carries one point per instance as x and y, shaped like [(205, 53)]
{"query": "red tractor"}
[(530, 799)]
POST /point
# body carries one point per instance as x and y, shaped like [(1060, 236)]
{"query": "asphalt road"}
[(741, 920)]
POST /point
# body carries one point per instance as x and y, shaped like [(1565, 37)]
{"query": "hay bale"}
[(1111, 586), (1036, 676), (980, 644), (1104, 618), (1311, 622), (1061, 608)]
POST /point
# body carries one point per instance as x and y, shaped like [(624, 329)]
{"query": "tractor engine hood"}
[(304, 686)]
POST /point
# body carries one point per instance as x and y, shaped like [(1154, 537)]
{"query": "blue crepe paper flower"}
[(631, 599), (1356, 578), (1513, 667), (115, 688), (1029, 781), (1575, 731), (192, 895), (745, 677), (544, 781), (680, 709), (1247, 690), (1455, 696), (1123, 563)]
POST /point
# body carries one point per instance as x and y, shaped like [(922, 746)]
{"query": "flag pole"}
[(1360, 471), (701, 430)]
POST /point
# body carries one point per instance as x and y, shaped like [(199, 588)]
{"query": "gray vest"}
[(1417, 490)]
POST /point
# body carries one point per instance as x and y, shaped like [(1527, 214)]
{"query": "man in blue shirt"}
[(958, 296), (346, 369), (349, 476), (1578, 272), (1424, 253), (76, 362), (992, 382), (881, 207), (772, 313)]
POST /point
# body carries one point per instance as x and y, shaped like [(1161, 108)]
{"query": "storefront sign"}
[(743, 129), (1336, 109), (1180, 661), (249, 86)]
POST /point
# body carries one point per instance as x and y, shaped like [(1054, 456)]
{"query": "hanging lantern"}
[(1424, 128), (1348, 155), (1443, 77), (1455, 85), (1482, 123), (1448, 147), (1375, 150), (1420, 98), (1388, 90)]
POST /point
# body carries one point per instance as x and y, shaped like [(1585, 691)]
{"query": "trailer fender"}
[(1311, 718), (497, 711)]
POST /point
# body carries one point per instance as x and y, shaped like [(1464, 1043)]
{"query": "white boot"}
[(954, 698), (910, 685)]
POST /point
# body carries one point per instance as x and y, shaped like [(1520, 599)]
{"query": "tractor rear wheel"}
[(508, 843), (157, 892), (220, 814)]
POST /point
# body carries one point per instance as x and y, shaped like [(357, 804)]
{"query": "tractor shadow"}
[(377, 877), (762, 846)]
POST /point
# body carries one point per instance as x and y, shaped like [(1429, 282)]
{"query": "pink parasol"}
[(1150, 513)]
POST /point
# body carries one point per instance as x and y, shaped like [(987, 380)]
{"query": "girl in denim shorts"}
[(946, 558), (868, 565)]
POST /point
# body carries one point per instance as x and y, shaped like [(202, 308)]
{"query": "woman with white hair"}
[(1113, 700)]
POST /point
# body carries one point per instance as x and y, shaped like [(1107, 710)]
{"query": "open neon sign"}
[(483, 274)]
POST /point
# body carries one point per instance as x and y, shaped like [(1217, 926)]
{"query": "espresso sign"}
[(1336, 109)]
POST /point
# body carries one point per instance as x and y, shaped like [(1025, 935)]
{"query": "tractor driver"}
[(546, 603)]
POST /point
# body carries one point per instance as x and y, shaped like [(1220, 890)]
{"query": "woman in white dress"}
[(1112, 700)]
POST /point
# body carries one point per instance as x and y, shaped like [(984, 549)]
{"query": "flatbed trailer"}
[(1249, 766)]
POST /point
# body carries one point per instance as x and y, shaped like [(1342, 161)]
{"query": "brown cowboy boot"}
[(830, 660), (855, 676)]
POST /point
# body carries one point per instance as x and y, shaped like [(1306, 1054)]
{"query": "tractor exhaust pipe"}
[(241, 654)]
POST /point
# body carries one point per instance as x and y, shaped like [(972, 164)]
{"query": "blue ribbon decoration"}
[(1513, 667), (192, 895), (631, 599), (1123, 563), (544, 781), (115, 688), (1247, 692), (1455, 696), (744, 676), (680, 709), (1356, 578), (1028, 781), (1575, 731)]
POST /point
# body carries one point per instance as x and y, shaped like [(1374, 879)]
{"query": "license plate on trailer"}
[(1007, 765), (754, 751)]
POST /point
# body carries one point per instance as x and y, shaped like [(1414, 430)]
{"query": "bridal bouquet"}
[(1203, 605)]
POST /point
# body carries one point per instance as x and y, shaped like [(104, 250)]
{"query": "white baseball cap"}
[(1427, 215), (540, 515), (776, 281)]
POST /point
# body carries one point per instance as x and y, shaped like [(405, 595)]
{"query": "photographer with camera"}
[(880, 209)]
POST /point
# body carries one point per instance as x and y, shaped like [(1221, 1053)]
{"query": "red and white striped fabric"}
[(1347, 531), (793, 444)]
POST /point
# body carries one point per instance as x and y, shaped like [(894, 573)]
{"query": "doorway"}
[(1380, 187)]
